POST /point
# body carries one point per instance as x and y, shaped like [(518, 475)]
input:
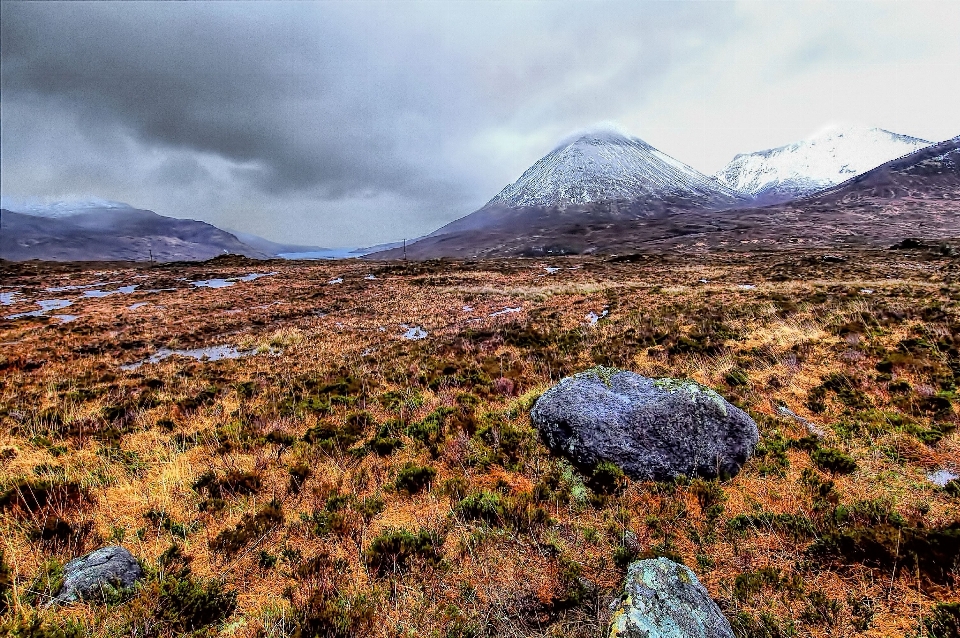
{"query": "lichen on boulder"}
[(663, 599), (98, 575)]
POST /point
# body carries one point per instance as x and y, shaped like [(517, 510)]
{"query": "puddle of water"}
[(45, 306), (506, 311), (941, 477), (210, 353), (256, 275), (468, 308), (370, 277), (78, 287), (65, 318), (54, 304), (552, 269), (139, 304), (6, 298), (33, 313), (338, 280), (154, 290), (123, 290), (593, 317), (746, 287), (704, 281), (212, 283), (866, 291), (415, 333)]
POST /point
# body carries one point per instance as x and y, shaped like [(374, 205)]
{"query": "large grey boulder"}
[(653, 429), (662, 599), (94, 575)]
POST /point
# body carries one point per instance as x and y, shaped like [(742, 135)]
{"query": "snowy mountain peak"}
[(61, 209), (599, 134), (606, 165), (802, 168)]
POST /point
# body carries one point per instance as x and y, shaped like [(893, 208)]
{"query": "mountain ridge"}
[(112, 233), (914, 195), (799, 169)]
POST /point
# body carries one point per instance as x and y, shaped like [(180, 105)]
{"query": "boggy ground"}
[(342, 479)]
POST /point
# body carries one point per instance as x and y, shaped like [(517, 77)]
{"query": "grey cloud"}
[(345, 123), (252, 83)]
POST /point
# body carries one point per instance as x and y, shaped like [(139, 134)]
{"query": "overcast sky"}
[(347, 124)]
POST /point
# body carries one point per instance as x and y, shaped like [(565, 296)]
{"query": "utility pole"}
[(404, 248)]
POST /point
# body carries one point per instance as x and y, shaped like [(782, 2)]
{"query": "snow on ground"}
[(415, 333)]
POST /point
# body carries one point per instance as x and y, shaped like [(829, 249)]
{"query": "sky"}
[(355, 123)]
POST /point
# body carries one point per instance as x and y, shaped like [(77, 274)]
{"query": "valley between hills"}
[(346, 449)]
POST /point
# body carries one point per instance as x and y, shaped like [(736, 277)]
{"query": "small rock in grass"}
[(98, 573), (663, 599)]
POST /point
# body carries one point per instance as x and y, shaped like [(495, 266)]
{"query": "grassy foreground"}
[(343, 479)]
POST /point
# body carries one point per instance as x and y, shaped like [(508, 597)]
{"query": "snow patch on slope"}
[(805, 167), (604, 165), (60, 209)]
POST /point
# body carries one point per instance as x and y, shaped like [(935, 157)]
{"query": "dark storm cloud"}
[(252, 83)]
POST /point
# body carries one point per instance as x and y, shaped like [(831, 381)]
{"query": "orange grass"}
[(60, 380)]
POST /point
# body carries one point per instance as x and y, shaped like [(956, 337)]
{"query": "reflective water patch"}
[(80, 286), (257, 275), (942, 477), (45, 306), (122, 290), (415, 333), (212, 283), (6, 298), (210, 353), (593, 317)]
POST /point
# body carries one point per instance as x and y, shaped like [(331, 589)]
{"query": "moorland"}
[(359, 460)]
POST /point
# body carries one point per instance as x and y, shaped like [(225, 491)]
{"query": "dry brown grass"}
[(137, 441)]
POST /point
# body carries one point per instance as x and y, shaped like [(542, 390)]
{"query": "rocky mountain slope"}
[(608, 166), (594, 180), (914, 196), (111, 232), (797, 170)]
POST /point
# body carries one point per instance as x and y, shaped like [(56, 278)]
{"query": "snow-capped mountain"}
[(605, 165), (62, 209), (590, 182), (803, 168)]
